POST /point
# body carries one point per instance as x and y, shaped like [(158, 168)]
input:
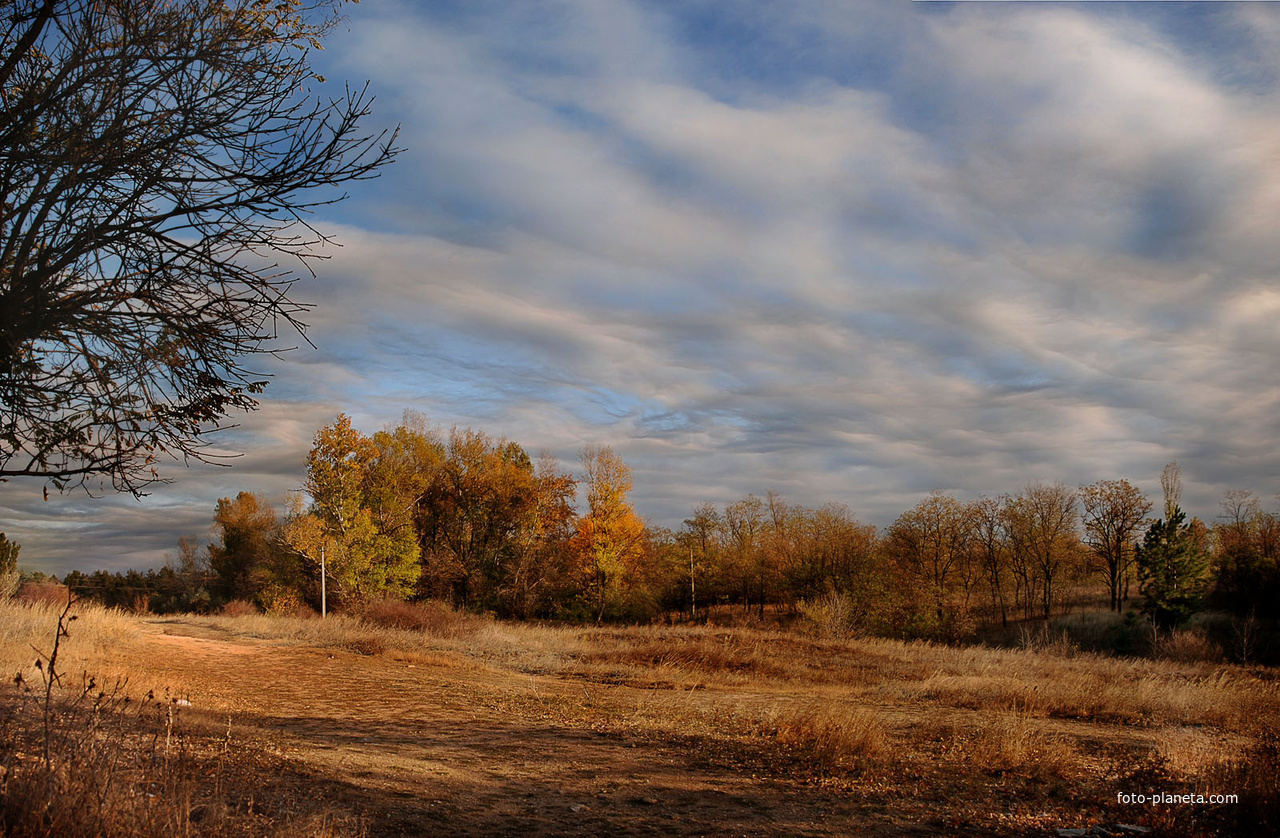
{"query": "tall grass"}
[(81, 758), (831, 706)]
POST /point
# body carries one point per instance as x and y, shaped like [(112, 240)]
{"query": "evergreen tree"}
[(8, 554), (1172, 571)]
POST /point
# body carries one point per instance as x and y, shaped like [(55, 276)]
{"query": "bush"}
[(434, 618), (1187, 646), (43, 593), (833, 614), (239, 608)]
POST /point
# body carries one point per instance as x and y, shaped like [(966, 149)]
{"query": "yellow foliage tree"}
[(609, 542), (362, 558)]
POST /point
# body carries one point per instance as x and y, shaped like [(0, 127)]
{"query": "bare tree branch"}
[(158, 163)]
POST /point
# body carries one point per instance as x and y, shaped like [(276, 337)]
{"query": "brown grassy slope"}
[(489, 728)]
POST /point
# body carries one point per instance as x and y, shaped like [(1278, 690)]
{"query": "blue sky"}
[(845, 251)]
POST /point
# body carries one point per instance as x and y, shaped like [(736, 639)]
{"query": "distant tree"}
[(744, 524), (836, 555), (8, 554), (248, 560), (700, 538), (362, 560), (610, 538), (486, 520), (182, 583), (157, 161), (540, 566), (1172, 570), (1171, 485), (1044, 538), (1246, 557), (991, 550), (1112, 513), (928, 543)]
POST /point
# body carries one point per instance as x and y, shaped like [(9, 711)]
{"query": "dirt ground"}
[(444, 745)]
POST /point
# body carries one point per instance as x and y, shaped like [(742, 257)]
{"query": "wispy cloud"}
[(846, 251)]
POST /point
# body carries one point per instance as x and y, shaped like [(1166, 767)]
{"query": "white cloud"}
[(1040, 249)]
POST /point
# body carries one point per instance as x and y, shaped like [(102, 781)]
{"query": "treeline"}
[(417, 513)]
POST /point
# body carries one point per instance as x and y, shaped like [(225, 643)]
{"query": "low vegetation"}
[(1003, 740)]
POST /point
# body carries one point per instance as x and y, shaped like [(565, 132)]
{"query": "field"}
[(422, 721)]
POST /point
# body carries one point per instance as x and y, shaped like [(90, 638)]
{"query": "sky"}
[(846, 252)]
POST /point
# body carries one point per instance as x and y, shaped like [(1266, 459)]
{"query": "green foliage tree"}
[(158, 160), (8, 555), (248, 560), (1172, 570), (340, 527)]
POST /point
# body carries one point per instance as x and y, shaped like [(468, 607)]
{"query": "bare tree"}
[(1171, 483), (991, 543), (929, 543), (1113, 512), (1042, 523), (157, 162)]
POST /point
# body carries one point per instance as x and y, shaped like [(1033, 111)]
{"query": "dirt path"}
[(430, 747)]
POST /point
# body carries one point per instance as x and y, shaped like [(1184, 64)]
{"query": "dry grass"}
[(84, 759), (828, 738), (1049, 724), (27, 626), (1188, 645)]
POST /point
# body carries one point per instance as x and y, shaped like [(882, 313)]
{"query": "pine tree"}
[(1172, 571)]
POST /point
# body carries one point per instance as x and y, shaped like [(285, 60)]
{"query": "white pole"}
[(323, 603)]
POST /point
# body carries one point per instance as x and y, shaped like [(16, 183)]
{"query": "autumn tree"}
[(159, 163), (539, 570), (1246, 556), (700, 538), (1043, 536), (744, 524), (928, 543), (486, 521), (248, 560), (836, 556), (1112, 512), (610, 539), (989, 519), (341, 525)]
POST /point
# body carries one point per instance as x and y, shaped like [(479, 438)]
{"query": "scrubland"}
[(415, 719)]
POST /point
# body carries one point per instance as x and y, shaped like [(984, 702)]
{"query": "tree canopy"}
[(158, 166)]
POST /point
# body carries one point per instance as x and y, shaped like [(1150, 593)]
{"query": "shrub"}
[(239, 608), (834, 614), (43, 593), (433, 618), (1187, 646)]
